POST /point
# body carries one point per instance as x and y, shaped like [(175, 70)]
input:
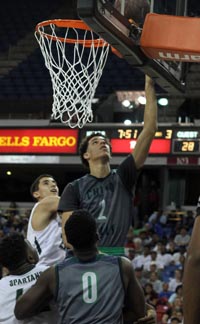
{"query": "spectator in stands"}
[(153, 268), (176, 280), (157, 283), (175, 320), (153, 217), (165, 258), (155, 240), (165, 292), (130, 253), (154, 260), (162, 307), (12, 210), (145, 235), (142, 258), (140, 276), (178, 293), (189, 221), (129, 239), (44, 227), (182, 239), (151, 295), (138, 245), (177, 308), (171, 247)]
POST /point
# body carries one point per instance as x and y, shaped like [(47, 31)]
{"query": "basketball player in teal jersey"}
[(19, 257), (89, 287), (106, 193)]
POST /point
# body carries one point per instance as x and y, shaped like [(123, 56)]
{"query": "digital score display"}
[(169, 140), (124, 141), (186, 146), (186, 142)]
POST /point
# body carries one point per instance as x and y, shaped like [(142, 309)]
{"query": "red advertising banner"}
[(41, 141), (158, 146)]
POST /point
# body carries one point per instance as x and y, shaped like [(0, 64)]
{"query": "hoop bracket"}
[(105, 20)]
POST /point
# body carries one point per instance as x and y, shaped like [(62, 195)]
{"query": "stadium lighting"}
[(127, 122), (142, 100), (126, 103), (163, 101)]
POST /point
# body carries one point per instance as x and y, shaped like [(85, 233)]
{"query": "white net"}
[(75, 69)]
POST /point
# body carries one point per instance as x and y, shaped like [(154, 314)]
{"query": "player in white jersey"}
[(19, 257), (44, 227)]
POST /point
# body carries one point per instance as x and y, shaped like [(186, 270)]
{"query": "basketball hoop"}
[(75, 58)]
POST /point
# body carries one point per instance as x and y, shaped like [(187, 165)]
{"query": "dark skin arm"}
[(38, 295), (134, 306), (191, 278)]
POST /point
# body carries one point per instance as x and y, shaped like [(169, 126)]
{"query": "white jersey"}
[(48, 241), (11, 287)]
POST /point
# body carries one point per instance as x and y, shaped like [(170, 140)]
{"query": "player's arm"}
[(69, 201), (64, 217), (32, 301), (134, 306), (144, 140), (45, 210), (191, 278)]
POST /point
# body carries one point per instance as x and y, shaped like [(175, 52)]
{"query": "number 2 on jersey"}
[(102, 204)]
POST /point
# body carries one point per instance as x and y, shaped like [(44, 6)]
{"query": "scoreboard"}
[(169, 140)]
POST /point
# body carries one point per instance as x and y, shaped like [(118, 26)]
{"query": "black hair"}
[(178, 287), (84, 145), (175, 319), (35, 185), (13, 251), (81, 230)]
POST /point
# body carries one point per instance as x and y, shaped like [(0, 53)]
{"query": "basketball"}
[(134, 9)]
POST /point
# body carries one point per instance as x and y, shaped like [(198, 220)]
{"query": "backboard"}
[(112, 26)]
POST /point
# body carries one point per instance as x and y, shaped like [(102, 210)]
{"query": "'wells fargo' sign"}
[(42, 141)]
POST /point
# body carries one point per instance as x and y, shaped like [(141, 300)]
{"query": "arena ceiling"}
[(117, 75)]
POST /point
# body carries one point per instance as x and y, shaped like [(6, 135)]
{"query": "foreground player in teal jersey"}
[(89, 287)]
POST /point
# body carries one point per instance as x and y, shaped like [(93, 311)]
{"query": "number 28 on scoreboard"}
[(186, 146)]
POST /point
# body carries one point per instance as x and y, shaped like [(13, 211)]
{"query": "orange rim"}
[(65, 23)]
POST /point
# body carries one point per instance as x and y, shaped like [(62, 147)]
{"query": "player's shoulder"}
[(4, 281), (126, 263), (77, 181)]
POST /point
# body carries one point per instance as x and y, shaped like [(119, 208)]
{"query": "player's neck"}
[(100, 170), (24, 268), (85, 255)]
